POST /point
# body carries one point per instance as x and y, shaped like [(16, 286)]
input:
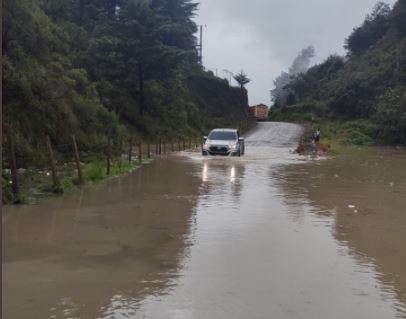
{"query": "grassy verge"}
[(37, 183), (338, 133), (335, 134)]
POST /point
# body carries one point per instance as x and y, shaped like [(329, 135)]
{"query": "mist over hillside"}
[(368, 84)]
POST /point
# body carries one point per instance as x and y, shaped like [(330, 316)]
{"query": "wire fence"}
[(56, 158)]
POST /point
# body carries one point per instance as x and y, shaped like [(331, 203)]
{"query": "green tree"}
[(144, 54), (242, 79), (367, 85), (180, 14), (374, 27), (391, 116), (80, 66), (399, 16)]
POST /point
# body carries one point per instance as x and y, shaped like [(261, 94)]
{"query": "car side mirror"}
[(205, 137), (241, 139)]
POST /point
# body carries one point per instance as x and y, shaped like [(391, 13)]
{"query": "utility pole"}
[(199, 47), (228, 74)]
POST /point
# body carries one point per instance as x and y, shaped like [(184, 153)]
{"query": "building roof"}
[(260, 105)]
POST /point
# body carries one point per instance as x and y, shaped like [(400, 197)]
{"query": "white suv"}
[(224, 142)]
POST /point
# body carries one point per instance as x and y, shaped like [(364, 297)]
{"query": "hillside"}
[(368, 85), (106, 69), (217, 100)]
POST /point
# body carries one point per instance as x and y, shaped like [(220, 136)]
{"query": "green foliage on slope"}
[(101, 68), (367, 85)]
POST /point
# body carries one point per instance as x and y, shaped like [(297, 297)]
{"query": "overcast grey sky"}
[(264, 36)]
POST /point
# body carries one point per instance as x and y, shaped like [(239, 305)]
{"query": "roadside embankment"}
[(335, 134), (60, 173)]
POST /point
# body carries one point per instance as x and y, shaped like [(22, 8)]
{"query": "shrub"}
[(6, 189), (94, 171)]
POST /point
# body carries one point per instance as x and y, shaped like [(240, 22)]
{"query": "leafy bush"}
[(391, 116), (7, 191), (358, 138), (364, 127), (95, 171)]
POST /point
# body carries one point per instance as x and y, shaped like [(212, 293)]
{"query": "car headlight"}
[(233, 147), (206, 145)]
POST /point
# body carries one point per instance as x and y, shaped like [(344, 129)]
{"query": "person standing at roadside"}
[(316, 137)]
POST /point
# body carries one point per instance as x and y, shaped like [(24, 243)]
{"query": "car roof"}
[(225, 130)]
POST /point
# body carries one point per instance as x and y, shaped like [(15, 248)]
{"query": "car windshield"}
[(223, 136)]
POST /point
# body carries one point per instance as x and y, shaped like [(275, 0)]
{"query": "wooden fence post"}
[(108, 155), (130, 150), (120, 153), (149, 149), (13, 165), (190, 143), (179, 147), (160, 146), (156, 148), (51, 159), (183, 143), (140, 151), (164, 143), (77, 158)]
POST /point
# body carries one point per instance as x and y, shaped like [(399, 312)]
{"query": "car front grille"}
[(219, 150)]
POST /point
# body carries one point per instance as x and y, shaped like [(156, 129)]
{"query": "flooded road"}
[(269, 235)]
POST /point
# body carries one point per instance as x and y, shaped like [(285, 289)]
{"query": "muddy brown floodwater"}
[(269, 235)]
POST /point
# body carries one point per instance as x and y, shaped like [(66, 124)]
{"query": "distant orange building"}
[(259, 112)]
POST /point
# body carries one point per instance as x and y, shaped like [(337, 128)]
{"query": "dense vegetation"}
[(366, 89), (99, 68)]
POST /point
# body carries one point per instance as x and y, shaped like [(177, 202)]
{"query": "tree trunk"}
[(77, 159), (81, 11), (52, 165), (13, 164), (141, 90), (4, 41)]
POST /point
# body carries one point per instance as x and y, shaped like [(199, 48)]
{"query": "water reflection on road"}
[(81, 255), (362, 192), (269, 235), (261, 250)]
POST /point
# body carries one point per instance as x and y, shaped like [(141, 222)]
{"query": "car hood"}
[(221, 142)]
